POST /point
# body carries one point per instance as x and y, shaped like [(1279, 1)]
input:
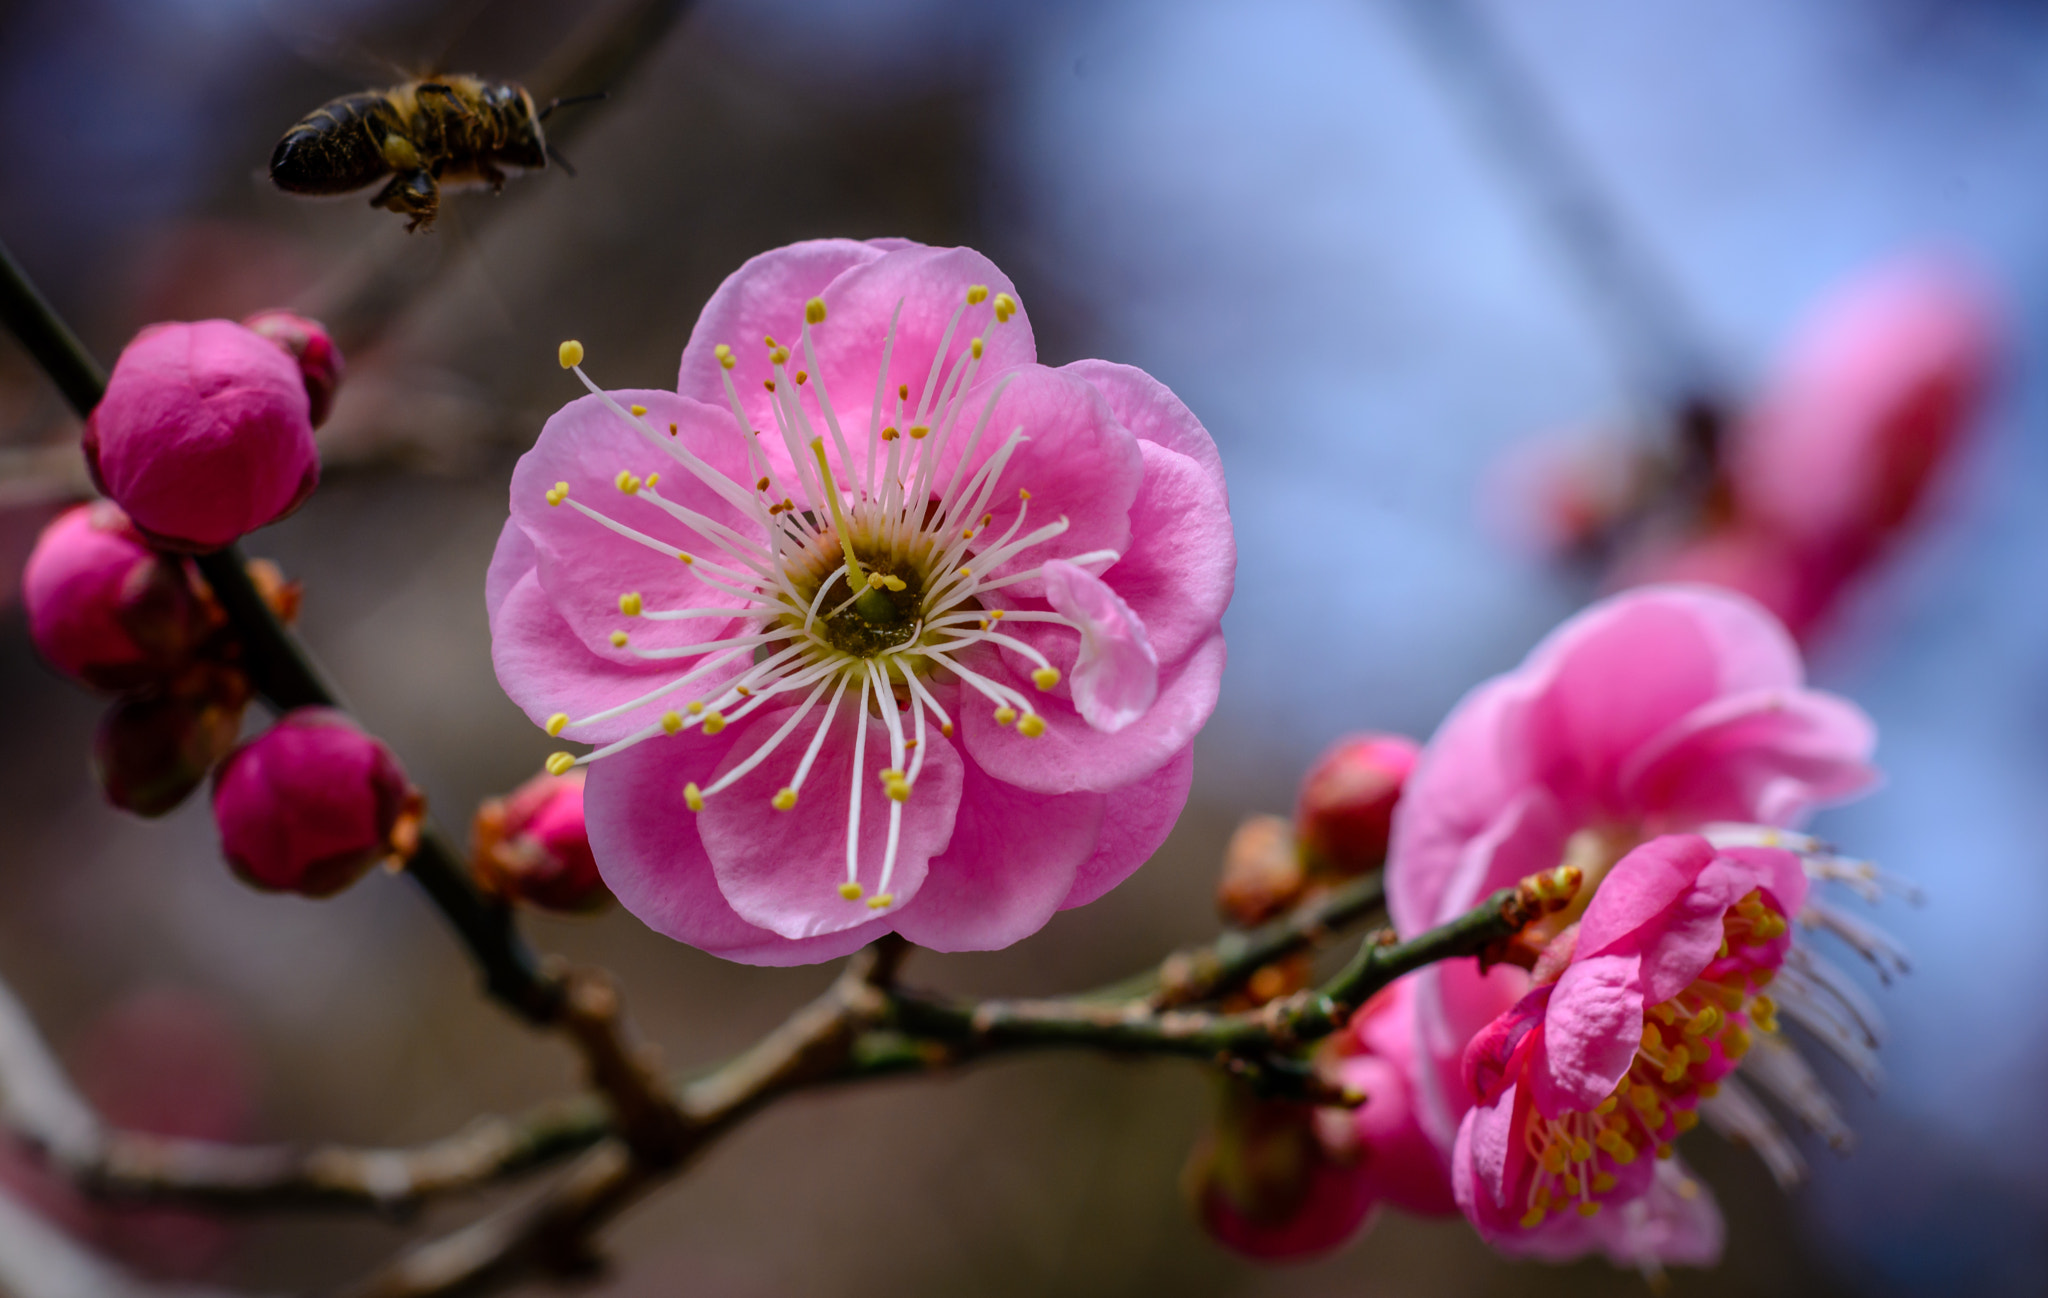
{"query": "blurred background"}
[(1393, 260)]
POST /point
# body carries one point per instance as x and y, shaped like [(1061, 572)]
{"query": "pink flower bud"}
[(152, 750), (203, 434), (105, 608), (312, 803), (1346, 806), (533, 847), (320, 363)]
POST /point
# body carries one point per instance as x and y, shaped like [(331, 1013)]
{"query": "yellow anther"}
[(1571, 1186), (713, 722), (895, 583), (556, 722), (784, 799), (693, 797), (1664, 1151), (1704, 1022), (1608, 1105), (762, 485), (814, 311), (1735, 1042), (724, 355), (1581, 1150), (1708, 1090), (1031, 727), (918, 432), (1532, 1218), (876, 580), (618, 639), (637, 409), (977, 294), (570, 354), (629, 603), (903, 392), (974, 347), (653, 478), (849, 890), (891, 774), (558, 493), (1554, 1159), (672, 721), (802, 375), (686, 556), (898, 790), (1006, 306), (779, 355), (694, 708), (1022, 494), (559, 763), (626, 482), (1602, 1182), (1685, 1120), (946, 729), (1005, 715), (1589, 1209), (966, 572), (1046, 677), (768, 340), (768, 384), (880, 900), (890, 434)]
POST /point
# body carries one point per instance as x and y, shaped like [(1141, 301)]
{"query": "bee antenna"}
[(570, 102), (556, 155)]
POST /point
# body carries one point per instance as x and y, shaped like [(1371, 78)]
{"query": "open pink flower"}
[(1661, 710), (1280, 1180), (1640, 1010), (877, 623)]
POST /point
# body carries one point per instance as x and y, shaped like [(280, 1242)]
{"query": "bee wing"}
[(331, 50)]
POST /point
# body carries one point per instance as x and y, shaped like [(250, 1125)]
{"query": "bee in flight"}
[(451, 131)]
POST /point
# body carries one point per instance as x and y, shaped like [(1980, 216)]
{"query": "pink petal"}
[(1180, 569), (1640, 888), (1480, 1177), (763, 298), (648, 848), (1453, 1002), (1011, 861), (1528, 836), (513, 559), (1136, 819), (585, 566), (1498, 1053), (1400, 1164), (1116, 675), (782, 870), (1591, 1030), (1072, 755), (1150, 410), (546, 668), (1765, 756)]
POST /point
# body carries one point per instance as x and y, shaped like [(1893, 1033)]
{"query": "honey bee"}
[(450, 131)]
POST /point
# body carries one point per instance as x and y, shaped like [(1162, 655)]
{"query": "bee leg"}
[(411, 193), (492, 176)]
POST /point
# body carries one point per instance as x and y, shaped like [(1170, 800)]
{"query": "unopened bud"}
[(312, 803), (204, 434), (1263, 1184), (308, 343), (532, 846), (1346, 808), (1262, 873), (106, 609), (152, 750)]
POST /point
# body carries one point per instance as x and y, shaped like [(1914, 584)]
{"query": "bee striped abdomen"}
[(336, 148)]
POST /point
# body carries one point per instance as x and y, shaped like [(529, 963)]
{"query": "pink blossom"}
[(310, 804), (1345, 810), (105, 608), (1661, 710), (203, 434), (533, 846), (876, 622), (308, 343), (1639, 1012), (1280, 1180)]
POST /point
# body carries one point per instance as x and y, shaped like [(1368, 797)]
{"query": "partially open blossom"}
[(532, 846), (106, 609), (310, 804), (152, 749), (1345, 810), (203, 435), (1278, 1179), (1662, 710), (877, 623), (308, 343), (1262, 873), (1640, 1010)]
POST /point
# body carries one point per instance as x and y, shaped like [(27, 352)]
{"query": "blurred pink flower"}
[(533, 846), (310, 804), (105, 608), (1660, 710), (878, 623), (1840, 452), (1344, 811), (203, 434), (1280, 1180), (1639, 1011)]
